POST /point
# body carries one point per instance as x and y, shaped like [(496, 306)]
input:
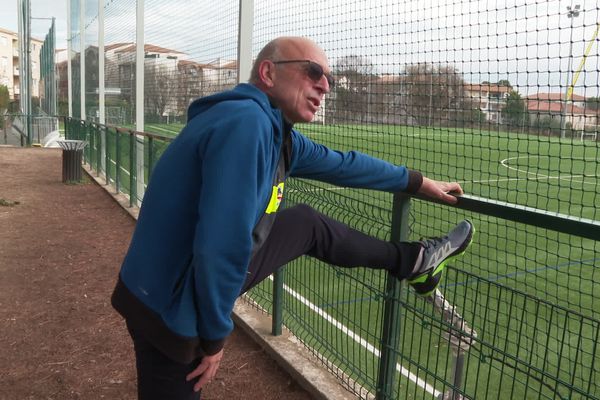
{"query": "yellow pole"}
[(582, 63)]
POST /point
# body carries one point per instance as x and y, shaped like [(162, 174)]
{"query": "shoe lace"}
[(432, 241)]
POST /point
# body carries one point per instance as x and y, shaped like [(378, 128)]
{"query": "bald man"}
[(210, 226)]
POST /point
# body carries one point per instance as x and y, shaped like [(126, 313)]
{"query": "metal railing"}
[(112, 152), (27, 130)]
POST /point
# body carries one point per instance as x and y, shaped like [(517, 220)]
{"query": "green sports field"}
[(528, 292)]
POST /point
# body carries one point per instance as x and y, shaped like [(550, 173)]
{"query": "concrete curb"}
[(291, 355)]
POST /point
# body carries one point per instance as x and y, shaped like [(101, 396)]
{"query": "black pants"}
[(297, 231)]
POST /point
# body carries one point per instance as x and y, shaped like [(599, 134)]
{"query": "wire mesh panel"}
[(111, 136), (91, 61), (190, 52), (119, 62), (47, 73), (460, 91), (525, 347), (75, 37)]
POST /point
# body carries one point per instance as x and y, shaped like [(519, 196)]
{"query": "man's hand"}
[(439, 190), (207, 369)]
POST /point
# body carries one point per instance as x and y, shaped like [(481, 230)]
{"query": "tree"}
[(4, 103), (354, 75), (4, 99), (161, 87), (514, 110), (548, 125), (353, 66), (504, 82), (593, 103), (191, 83), (435, 94)]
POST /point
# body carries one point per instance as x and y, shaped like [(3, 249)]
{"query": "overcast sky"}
[(524, 41), (39, 9)]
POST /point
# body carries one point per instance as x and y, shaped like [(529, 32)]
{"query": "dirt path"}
[(60, 250)]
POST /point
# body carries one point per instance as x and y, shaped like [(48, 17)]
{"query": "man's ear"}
[(266, 73)]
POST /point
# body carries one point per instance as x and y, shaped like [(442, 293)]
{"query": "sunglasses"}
[(313, 70)]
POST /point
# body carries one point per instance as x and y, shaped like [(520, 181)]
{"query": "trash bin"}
[(72, 157)]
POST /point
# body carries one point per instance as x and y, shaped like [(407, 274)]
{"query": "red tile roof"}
[(149, 48), (554, 97), (551, 107), (116, 45)]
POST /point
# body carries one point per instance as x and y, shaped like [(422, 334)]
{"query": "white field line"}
[(569, 178), (165, 129), (537, 177), (121, 168), (357, 135), (362, 342)]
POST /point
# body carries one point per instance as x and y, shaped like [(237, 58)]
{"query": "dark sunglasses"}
[(313, 70)]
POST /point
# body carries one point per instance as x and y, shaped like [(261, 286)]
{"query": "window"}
[(3, 41), (4, 62)]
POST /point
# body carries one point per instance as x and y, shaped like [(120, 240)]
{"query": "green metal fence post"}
[(132, 168), (98, 149), (117, 161), (277, 302), (390, 331), (87, 152), (66, 126), (150, 155), (76, 127), (106, 155), (92, 144)]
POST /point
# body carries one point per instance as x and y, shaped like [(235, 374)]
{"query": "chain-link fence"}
[(503, 97)]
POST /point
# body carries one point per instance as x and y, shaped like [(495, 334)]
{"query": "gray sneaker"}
[(436, 253)]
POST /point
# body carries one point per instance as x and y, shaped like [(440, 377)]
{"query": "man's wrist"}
[(415, 181), (212, 347)]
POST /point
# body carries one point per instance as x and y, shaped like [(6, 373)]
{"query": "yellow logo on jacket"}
[(276, 197)]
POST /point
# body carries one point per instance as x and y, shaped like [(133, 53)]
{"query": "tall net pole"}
[(48, 71), (24, 66)]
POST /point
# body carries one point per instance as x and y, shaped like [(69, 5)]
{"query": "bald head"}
[(281, 48)]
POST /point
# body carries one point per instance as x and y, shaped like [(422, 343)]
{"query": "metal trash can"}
[(72, 157)]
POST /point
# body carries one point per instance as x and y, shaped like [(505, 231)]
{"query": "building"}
[(575, 116), (558, 98), (489, 98), (171, 80), (551, 106), (9, 63)]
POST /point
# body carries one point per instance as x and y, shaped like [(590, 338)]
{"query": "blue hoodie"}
[(193, 241)]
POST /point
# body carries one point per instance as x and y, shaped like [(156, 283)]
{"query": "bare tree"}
[(435, 94), (161, 89), (351, 98), (190, 80)]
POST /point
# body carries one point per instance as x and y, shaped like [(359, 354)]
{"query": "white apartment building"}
[(9, 63), (489, 98)]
